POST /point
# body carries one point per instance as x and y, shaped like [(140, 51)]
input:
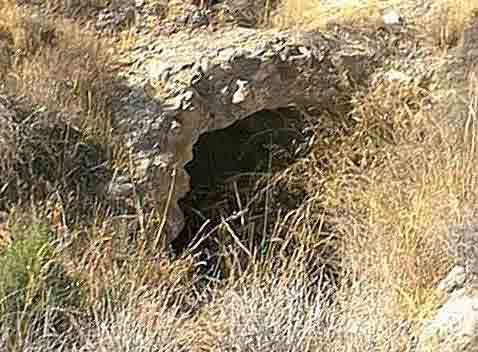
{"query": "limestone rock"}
[(455, 327), (392, 17), (454, 281), (463, 244), (183, 86)]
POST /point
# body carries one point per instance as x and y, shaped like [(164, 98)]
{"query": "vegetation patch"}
[(312, 230), (35, 287)]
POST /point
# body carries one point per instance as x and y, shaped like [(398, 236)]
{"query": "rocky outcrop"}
[(183, 86), (455, 326)]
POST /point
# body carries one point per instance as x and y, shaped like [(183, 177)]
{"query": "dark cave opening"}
[(245, 181), (230, 174), (247, 147)]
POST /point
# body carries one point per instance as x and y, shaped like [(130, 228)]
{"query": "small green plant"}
[(33, 285)]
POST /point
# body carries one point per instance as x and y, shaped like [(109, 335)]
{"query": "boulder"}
[(455, 327), (454, 281), (463, 246)]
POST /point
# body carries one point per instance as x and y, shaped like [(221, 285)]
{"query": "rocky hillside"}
[(238, 175)]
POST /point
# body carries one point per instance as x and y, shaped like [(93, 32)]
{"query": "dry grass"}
[(445, 22), (60, 83), (56, 64), (364, 250), (449, 19), (319, 13)]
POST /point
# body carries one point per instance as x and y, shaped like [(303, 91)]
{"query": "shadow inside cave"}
[(236, 184)]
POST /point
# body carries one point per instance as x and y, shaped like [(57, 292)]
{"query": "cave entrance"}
[(235, 179)]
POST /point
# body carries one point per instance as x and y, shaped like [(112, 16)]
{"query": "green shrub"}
[(34, 286)]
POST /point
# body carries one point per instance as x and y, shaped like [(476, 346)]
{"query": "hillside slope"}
[(358, 163)]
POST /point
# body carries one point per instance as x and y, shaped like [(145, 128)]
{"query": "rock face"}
[(455, 326), (463, 244), (183, 86)]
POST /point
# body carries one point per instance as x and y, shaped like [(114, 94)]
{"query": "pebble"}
[(392, 17)]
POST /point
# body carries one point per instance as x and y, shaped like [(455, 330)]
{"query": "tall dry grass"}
[(444, 21), (448, 19), (319, 13), (57, 64), (354, 268), (59, 81)]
